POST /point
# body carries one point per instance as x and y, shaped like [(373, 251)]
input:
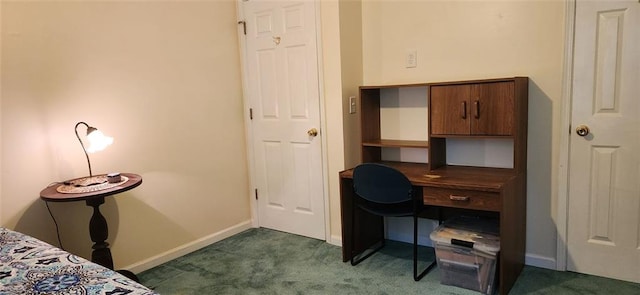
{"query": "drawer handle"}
[(459, 198)]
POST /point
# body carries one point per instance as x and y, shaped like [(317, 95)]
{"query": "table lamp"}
[(97, 142)]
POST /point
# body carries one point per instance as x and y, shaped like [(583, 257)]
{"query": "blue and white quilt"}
[(33, 267)]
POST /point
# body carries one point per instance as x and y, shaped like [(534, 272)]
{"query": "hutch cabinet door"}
[(450, 109), (492, 108), (473, 109)]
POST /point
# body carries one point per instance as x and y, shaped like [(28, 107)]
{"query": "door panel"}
[(284, 95), (604, 179)]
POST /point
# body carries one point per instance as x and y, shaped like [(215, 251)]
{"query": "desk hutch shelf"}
[(461, 111), (372, 139)]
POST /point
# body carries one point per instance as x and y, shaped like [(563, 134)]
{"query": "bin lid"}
[(482, 234)]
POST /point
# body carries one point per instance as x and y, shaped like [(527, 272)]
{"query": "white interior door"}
[(604, 176), (283, 83)]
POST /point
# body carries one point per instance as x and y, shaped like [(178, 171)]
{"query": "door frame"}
[(255, 222), (562, 213)]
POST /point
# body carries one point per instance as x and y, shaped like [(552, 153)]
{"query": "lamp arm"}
[(82, 144)]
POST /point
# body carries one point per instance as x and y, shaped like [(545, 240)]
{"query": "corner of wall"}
[(1, 94), (331, 80)]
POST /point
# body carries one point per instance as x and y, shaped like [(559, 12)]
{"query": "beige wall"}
[(342, 68), (351, 64), (458, 40), (1, 173), (162, 78), (333, 119)]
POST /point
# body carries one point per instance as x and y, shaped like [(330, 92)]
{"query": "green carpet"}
[(262, 261)]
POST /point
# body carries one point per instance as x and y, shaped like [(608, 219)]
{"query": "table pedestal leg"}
[(99, 233)]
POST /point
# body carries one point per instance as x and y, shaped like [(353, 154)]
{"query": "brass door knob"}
[(582, 130), (313, 132)]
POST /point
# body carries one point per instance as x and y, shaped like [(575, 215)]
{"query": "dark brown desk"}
[(98, 228), (453, 190)]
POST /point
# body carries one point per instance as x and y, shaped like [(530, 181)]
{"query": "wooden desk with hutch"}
[(479, 109)]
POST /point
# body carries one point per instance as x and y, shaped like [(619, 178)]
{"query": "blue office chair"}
[(384, 191)]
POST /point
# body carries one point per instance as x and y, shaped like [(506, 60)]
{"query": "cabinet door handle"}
[(463, 112), (476, 104), (459, 198)]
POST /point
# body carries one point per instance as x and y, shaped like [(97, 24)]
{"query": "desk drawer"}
[(467, 199)]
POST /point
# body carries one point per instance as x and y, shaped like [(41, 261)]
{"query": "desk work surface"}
[(457, 177)]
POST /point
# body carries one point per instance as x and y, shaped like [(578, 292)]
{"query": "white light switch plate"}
[(412, 58), (352, 104)]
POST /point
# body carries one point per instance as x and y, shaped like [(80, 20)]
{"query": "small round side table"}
[(74, 190)]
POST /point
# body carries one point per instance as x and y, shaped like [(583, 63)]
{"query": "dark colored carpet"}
[(262, 261)]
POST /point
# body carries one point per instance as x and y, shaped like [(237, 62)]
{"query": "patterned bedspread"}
[(31, 266)]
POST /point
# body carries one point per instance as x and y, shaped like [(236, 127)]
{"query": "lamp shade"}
[(97, 140)]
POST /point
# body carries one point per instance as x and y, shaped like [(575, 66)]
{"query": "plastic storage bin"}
[(466, 250)]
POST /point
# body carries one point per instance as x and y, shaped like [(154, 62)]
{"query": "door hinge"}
[(250, 113), (256, 193), (244, 26)]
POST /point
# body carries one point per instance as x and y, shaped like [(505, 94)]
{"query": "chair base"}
[(356, 260), (416, 276)]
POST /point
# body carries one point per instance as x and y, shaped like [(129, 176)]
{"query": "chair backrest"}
[(381, 184)]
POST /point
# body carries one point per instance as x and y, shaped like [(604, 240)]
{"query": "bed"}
[(31, 266)]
